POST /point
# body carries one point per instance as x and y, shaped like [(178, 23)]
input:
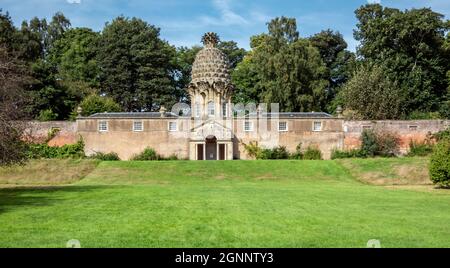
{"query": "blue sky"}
[(183, 22)]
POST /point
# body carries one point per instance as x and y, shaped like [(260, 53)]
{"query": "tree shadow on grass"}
[(36, 196)]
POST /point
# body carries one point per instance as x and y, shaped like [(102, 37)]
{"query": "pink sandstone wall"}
[(38, 132), (416, 130)]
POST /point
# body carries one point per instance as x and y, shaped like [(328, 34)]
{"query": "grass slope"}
[(222, 204)]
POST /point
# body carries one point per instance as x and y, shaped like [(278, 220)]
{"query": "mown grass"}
[(223, 204)]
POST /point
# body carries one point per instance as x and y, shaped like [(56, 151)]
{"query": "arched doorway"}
[(211, 148)]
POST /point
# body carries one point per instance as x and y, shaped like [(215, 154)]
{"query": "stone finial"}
[(162, 111), (210, 39), (79, 111), (339, 112)]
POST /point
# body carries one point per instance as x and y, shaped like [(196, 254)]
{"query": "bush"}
[(149, 154), (387, 144), (298, 155), (440, 164), (279, 152), (442, 135), (43, 150), (355, 153), (105, 156), (379, 143), (369, 145), (312, 153), (47, 115), (420, 148), (253, 149)]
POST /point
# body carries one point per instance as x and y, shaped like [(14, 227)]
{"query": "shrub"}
[(442, 135), (440, 164), (420, 148), (354, 153), (43, 150), (149, 154), (312, 153), (253, 149), (379, 143), (47, 115), (387, 144), (279, 152), (105, 156), (298, 155), (369, 143)]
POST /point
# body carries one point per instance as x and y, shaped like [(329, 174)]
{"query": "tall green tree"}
[(371, 94), (288, 69), (233, 52), (410, 45), (340, 62), (74, 54), (136, 66)]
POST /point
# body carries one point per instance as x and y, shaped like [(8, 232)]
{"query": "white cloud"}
[(374, 1), (74, 1)]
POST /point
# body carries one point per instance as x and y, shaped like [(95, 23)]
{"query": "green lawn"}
[(225, 204)]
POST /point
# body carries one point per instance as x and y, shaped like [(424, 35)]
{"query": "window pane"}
[(317, 126), (138, 126), (282, 126), (172, 126), (211, 108), (103, 126)]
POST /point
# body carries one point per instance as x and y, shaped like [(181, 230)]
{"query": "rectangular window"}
[(138, 126), (211, 108), (225, 109), (102, 126), (366, 127), (282, 126), (413, 128), (197, 110), (317, 126), (248, 126), (173, 126)]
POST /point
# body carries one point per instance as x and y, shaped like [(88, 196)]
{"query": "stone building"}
[(214, 129)]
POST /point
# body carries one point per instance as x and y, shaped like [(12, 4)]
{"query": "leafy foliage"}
[(43, 150), (312, 153), (372, 95), (149, 154), (98, 104), (136, 65), (105, 156), (440, 164), (410, 46), (416, 148), (354, 153)]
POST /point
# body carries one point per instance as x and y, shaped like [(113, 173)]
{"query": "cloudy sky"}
[(182, 22)]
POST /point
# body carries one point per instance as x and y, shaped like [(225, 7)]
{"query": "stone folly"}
[(212, 130)]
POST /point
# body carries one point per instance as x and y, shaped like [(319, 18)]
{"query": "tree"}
[(340, 62), (136, 66), (184, 59), (410, 46), (289, 69), (98, 104), (13, 77), (74, 54), (372, 95), (233, 52)]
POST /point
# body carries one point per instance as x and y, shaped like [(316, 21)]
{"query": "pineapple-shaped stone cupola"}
[(210, 88)]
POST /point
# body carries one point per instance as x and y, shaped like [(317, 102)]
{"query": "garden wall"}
[(66, 132), (416, 130)]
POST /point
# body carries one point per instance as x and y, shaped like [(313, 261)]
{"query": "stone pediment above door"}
[(211, 128)]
